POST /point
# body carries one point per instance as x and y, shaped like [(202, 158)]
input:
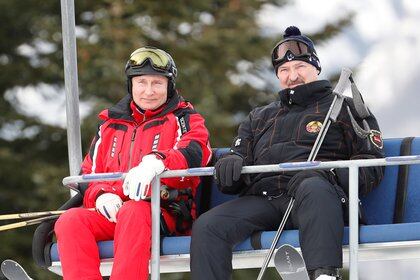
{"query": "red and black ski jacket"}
[(175, 131)]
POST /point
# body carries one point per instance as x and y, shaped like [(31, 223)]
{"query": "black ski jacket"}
[(285, 131)]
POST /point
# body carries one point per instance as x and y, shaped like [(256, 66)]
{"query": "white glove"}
[(108, 204), (138, 180)]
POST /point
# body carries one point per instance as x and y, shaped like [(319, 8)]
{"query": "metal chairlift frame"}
[(241, 260)]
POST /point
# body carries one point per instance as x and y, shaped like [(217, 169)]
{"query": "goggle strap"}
[(136, 70)]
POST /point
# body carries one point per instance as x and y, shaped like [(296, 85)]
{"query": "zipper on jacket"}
[(133, 137)]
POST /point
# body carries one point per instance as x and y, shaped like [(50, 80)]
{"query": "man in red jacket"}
[(150, 130)]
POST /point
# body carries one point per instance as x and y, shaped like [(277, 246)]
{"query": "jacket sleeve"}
[(242, 145), (361, 146), (192, 148), (93, 163)]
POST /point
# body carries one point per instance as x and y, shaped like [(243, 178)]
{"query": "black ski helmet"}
[(151, 61)]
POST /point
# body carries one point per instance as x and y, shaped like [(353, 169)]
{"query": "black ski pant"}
[(317, 213)]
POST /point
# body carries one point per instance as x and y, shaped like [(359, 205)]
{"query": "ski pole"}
[(33, 214), (332, 115), (276, 239), (30, 215), (27, 223), (40, 219)]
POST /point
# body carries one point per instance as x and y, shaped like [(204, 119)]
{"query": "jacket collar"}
[(305, 94), (127, 110)]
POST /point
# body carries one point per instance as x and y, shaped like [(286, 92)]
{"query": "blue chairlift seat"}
[(392, 212)]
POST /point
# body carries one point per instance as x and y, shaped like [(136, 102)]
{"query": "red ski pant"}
[(79, 229)]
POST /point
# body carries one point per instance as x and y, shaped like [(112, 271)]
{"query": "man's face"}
[(296, 72), (149, 91)]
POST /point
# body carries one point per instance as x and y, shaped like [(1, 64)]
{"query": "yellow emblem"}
[(313, 127)]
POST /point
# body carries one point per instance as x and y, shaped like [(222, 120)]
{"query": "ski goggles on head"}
[(288, 50), (158, 59)]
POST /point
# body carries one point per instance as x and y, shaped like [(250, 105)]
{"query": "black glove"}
[(227, 171), (298, 178)]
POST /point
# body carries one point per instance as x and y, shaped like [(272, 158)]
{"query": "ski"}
[(14, 271), (290, 264)]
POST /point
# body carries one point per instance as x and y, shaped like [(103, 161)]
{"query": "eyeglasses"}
[(296, 48), (159, 60)]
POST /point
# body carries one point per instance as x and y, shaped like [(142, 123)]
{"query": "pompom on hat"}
[(294, 46)]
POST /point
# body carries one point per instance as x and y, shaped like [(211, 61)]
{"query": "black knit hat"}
[(294, 46)]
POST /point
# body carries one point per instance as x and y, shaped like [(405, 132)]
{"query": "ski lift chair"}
[(392, 213)]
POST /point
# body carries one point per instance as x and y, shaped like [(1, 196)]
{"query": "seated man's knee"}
[(71, 219), (316, 188), (202, 225)]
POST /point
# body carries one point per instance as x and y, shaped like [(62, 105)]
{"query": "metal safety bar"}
[(353, 166)]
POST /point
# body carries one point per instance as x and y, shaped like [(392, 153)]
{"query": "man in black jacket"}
[(285, 131)]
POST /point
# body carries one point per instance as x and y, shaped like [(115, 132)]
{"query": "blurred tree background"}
[(222, 54)]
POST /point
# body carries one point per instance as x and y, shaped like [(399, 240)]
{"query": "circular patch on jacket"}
[(313, 126), (375, 137)]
